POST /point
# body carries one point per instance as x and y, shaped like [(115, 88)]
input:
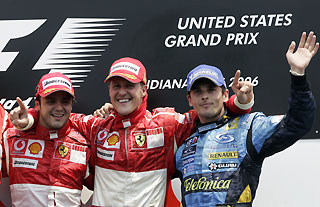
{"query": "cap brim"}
[(122, 76), (56, 90)]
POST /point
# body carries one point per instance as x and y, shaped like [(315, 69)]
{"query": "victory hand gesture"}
[(19, 115), (243, 89)]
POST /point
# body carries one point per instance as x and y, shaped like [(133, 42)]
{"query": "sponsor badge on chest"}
[(28, 147), (71, 152)]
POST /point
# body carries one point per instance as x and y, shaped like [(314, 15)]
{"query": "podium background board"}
[(82, 38)]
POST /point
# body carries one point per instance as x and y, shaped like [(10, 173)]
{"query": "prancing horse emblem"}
[(63, 150), (140, 139)]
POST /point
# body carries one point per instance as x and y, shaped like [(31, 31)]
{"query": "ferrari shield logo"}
[(140, 139), (63, 150)]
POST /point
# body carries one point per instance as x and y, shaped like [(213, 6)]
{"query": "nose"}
[(204, 95), (122, 91), (59, 105)]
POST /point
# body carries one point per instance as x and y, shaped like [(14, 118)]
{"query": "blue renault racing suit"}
[(220, 164)]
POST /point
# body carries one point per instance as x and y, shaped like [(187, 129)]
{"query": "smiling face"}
[(125, 96), (208, 100), (54, 109)]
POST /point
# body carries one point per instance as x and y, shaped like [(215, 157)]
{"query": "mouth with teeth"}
[(125, 100), (57, 116)]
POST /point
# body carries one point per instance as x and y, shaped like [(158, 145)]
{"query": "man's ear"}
[(37, 105), (189, 100), (225, 95), (144, 90)]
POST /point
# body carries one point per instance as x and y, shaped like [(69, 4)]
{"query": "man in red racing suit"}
[(48, 165), (4, 124), (135, 152)]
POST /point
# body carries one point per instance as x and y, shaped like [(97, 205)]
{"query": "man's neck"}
[(221, 121), (204, 121)]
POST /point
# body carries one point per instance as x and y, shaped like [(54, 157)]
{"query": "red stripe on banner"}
[(172, 200)]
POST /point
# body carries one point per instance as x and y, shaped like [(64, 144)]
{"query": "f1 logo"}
[(13, 29), (76, 46)]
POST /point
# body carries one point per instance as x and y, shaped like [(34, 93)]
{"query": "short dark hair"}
[(223, 89), (38, 99), (142, 84)]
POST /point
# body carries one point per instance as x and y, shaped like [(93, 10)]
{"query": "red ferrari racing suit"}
[(134, 159), (4, 124), (46, 167)]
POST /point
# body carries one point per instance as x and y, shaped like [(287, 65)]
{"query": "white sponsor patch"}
[(19, 145), (56, 81), (31, 148), (35, 148), (102, 134), (112, 141), (155, 137), (126, 66), (104, 154), (26, 163), (78, 154), (53, 134), (126, 123)]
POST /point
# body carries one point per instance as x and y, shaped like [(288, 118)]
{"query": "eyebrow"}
[(210, 86)]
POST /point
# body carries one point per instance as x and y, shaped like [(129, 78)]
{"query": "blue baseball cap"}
[(205, 71)]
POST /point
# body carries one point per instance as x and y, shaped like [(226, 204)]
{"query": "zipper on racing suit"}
[(125, 143)]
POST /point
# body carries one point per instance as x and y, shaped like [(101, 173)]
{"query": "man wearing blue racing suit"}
[(220, 164)]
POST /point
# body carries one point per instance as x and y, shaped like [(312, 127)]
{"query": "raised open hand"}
[(300, 59)]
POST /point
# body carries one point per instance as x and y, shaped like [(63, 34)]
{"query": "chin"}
[(123, 113), (58, 125), (55, 127)]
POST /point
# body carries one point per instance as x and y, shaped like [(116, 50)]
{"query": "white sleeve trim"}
[(31, 121), (295, 73), (244, 106)]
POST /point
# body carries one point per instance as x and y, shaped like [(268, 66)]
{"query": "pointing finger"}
[(236, 79), (23, 108)]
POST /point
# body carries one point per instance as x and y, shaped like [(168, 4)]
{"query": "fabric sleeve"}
[(233, 109), (288, 129), (185, 126), (4, 124), (5, 151), (89, 178), (2, 163), (83, 123)]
